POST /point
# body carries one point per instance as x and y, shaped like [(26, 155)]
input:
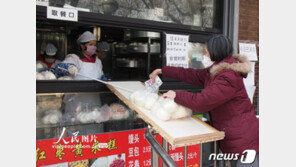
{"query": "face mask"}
[(207, 61), (90, 50), (49, 60)]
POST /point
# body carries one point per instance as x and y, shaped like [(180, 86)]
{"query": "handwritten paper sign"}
[(248, 50), (62, 14), (250, 80), (250, 91), (177, 50)]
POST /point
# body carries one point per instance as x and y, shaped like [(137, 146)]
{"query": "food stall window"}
[(199, 13), (85, 113)]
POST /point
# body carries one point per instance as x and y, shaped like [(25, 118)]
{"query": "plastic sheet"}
[(164, 108)]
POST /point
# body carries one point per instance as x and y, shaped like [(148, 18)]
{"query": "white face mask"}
[(207, 62), (49, 60)]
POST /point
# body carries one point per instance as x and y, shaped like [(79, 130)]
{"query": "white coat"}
[(93, 70), (56, 62)]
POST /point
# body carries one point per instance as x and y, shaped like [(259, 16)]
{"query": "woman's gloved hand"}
[(153, 75), (104, 78), (73, 70)]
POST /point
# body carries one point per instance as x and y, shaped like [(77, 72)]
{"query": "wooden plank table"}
[(179, 133)]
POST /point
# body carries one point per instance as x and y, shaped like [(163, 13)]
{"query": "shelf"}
[(138, 49), (134, 54), (132, 67), (177, 85), (51, 132), (58, 86), (145, 34), (58, 125), (42, 126)]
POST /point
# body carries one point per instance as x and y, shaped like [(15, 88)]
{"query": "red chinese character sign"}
[(127, 147)]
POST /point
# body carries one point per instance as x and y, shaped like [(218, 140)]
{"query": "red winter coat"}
[(225, 97)]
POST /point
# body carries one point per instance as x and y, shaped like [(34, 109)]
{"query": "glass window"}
[(58, 39), (196, 54), (85, 113), (198, 13)]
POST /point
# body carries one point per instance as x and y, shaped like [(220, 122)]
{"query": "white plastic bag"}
[(139, 97), (163, 108)]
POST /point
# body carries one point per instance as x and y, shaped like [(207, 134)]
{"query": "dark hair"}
[(219, 47), (83, 43)]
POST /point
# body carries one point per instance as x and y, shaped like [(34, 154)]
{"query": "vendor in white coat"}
[(102, 49), (48, 59), (84, 62), (87, 63)]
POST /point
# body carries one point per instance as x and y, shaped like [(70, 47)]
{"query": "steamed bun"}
[(45, 75), (39, 76)]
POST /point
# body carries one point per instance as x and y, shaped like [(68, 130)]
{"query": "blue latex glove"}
[(103, 77), (61, 72)]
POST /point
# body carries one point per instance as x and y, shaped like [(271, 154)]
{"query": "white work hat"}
[(103, 46), (50, 49), (86, 37)]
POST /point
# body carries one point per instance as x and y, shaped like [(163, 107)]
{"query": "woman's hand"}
[(153, 75), (170, 94)]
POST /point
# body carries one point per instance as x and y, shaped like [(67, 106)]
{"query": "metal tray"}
[(129, 63), (145, 34), (138, 49), (144, 49)]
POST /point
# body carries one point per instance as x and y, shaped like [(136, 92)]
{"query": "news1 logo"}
[(248, 156)]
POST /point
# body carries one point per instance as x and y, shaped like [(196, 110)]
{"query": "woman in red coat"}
[(224, 96)]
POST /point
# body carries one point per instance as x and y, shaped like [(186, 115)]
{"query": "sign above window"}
[(62, 14)]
